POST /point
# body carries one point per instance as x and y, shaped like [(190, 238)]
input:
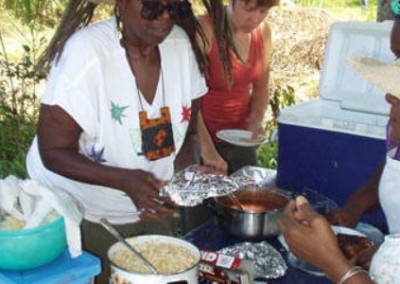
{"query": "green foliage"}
[(46, 12), (282, 97), (268, 153), (19, 108)]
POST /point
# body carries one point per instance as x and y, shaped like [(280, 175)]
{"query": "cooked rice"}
[(166, 257)]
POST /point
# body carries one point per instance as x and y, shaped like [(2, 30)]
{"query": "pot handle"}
[(178, 282)]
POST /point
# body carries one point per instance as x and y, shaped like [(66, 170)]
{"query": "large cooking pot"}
[(257, 219), (128, 273)]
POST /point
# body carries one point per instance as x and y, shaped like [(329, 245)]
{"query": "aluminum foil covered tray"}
[(269, 264), (192, 185)]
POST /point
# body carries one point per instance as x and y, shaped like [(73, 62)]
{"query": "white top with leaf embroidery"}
[(93, 83)]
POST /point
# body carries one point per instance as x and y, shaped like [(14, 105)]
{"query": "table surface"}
[(210, 236)]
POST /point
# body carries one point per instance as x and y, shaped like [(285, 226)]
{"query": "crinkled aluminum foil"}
[(262, 176), (192, 185), (268, 261)]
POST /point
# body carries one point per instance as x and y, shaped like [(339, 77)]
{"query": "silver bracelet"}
[(352, 271)]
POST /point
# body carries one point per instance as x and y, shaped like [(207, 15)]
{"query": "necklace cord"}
[(139, 93)]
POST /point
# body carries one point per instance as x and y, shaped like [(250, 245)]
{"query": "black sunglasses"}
[(178, 10)]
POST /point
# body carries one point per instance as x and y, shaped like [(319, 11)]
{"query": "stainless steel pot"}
[(257, 220), (121, 275)]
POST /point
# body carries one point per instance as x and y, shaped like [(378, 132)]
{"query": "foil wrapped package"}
[(269, 263), (194, 184)]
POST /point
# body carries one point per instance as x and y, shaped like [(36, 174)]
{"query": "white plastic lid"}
[(339, 81)]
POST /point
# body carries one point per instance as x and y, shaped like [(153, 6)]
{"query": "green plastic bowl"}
[(31, 248)]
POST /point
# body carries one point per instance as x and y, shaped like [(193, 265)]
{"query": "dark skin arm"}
[(303, 228), (361, 201), (58, 138), (186, 155), (395, 38)]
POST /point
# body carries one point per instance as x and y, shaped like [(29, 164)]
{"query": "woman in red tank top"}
[(239, 103)]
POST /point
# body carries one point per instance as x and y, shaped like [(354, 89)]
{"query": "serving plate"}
[(240, 137), (362, 229)]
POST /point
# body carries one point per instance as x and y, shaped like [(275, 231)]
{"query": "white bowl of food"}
[(175, 260)]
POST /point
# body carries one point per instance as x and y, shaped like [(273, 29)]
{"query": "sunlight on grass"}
[(15, 34), (345, 10)]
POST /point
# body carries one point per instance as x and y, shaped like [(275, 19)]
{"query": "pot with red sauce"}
[(257, 218)]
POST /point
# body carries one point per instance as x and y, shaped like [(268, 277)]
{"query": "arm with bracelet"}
[(302, 228)]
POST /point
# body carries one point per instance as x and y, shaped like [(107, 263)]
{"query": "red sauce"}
[(256, 201)]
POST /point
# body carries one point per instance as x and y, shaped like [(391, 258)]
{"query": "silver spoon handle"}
[(104, 222), (235, 200)]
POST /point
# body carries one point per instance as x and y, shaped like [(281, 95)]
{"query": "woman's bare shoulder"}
[(206, 25), (205, 22)]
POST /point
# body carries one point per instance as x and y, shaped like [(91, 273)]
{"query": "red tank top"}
[(227, 108)]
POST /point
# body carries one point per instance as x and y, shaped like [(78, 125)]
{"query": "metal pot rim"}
[(285, 194)]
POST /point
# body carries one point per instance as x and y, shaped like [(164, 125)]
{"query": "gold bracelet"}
[(352, 271)]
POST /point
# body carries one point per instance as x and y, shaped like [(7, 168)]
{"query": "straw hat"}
[(384, 75), (107, 2)]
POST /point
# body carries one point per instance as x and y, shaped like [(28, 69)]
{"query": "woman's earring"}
[(119, 18), (121, 26)]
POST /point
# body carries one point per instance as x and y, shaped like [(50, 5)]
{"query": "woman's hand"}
[(310, 237), (347, 215), (254, 126), (143, 188), (211, 158), (58, 137), (303, 228)]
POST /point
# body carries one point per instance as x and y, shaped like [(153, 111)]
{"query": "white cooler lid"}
[(339, 82)]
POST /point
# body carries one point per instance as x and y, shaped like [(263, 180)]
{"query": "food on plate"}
[(352, 245), (166, 257)]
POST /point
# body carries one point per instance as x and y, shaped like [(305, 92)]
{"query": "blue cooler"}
[(333, 144), (64, 270)]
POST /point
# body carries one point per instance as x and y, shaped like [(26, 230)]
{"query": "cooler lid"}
[(339, 81)]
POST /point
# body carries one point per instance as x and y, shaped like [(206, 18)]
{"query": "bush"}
[(268, 153), (19, 108)]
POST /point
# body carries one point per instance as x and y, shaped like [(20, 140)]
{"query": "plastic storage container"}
[(63, 270), (333, 144), (32, 248)]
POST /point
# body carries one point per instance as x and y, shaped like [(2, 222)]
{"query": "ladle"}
[(104, 222)]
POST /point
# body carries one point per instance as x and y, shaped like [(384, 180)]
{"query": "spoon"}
[(107, 225), (235, 200)]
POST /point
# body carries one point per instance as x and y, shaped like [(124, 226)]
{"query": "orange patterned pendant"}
[(157, 135)]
